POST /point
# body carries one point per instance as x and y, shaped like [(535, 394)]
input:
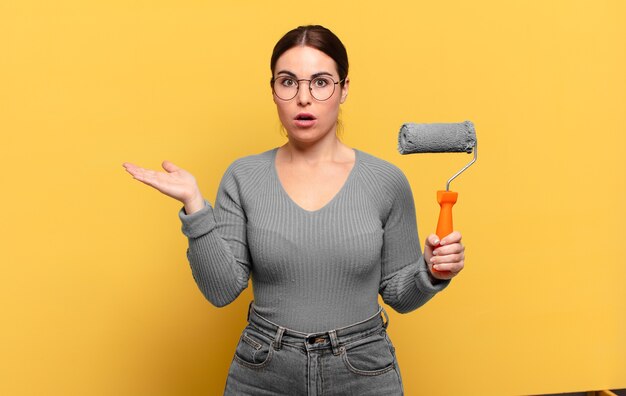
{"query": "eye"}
[(321, 82), (287, 82)]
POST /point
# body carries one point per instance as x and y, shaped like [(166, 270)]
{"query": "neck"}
[(330, 148)]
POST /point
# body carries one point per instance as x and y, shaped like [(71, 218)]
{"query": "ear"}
[(344, 90)]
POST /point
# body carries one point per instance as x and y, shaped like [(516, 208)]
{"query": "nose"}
[(304, 94)]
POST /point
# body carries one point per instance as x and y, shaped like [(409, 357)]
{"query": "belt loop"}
[(334, 342), (249, 308), (386, 321), (279, 338)]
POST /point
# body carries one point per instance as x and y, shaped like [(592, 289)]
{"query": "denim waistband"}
[(325, 339)]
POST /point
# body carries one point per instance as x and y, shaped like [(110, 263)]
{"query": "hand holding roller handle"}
[(446, 200), (445, 257)]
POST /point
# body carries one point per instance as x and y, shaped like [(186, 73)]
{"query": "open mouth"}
[(305, 117), (305, 120)]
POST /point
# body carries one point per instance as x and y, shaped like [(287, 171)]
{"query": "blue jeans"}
[(355, 360)]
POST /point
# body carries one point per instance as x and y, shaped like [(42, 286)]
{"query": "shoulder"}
[(249, 163), (381, 172), (384, 182), (250, 167), (249, 172)]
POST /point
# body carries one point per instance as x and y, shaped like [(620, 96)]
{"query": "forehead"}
[(305, 61)]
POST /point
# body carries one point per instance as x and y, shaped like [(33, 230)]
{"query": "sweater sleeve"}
[(406, 283), (218, 252)]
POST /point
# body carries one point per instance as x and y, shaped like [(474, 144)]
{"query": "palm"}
[(176, 182)]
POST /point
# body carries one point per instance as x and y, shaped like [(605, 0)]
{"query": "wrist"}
[(194, 204)]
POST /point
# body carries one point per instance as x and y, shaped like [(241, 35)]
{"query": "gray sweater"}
[(311, 270)]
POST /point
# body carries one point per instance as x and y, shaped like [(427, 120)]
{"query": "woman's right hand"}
[(176, 183)]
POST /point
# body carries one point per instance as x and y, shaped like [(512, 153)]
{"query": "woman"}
[(322, 229)]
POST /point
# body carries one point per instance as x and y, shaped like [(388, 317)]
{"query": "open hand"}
[(176, 182), (445, 258)]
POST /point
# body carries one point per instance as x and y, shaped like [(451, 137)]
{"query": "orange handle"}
[(446, 200)]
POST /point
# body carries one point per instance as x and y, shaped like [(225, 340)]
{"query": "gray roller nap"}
[(437, 138)]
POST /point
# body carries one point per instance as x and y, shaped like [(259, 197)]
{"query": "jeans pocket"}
[(369, 356), (254, 349)]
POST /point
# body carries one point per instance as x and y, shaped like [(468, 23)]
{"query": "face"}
[(305, 118)]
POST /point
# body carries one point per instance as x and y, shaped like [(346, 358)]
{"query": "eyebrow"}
[(312, 75)]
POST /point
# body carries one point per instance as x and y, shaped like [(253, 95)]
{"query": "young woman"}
[(322, 229)]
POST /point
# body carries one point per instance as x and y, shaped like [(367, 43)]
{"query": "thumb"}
[(170, 167), (429, 245), (432, 242)]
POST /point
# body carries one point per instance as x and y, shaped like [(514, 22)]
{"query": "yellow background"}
[(97, 295)]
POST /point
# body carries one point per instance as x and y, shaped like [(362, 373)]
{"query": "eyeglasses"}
[(286, 87)]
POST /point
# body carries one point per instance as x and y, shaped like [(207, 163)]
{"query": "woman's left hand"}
[(445, 259)]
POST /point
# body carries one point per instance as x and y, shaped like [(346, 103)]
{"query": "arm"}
[(218, 252), (406, 281)]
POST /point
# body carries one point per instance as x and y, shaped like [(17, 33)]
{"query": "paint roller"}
[(440, 138)]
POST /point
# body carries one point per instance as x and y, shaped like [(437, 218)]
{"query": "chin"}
[(304, 138), (307, 135)]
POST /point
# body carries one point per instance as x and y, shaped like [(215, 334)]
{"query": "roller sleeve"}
[(437, 138)]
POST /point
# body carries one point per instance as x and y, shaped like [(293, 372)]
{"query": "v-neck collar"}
[(327, 204)]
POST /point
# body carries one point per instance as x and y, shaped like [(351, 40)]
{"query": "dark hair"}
[(317, 37)]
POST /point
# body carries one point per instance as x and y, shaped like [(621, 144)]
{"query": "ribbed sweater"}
[(311, 270)]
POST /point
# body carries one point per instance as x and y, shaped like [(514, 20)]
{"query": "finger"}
[(450, 258), (453, 237), (147, 176), (169, 166), (444, 275), (432, 241), (130, 167), (136, 170), (429, 244), (453, 268), (449, 249)]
